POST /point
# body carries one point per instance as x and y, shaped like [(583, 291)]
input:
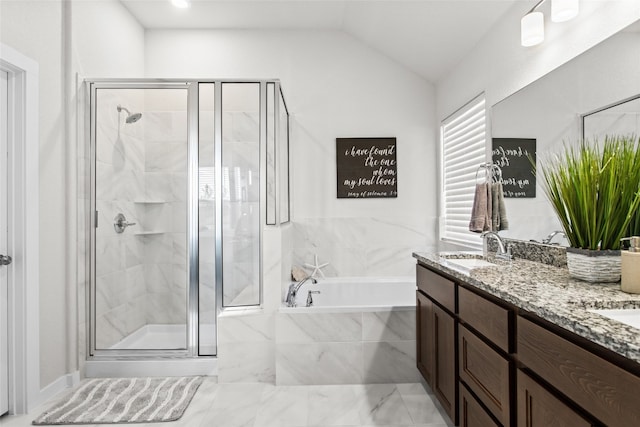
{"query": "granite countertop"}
[(551, 294)]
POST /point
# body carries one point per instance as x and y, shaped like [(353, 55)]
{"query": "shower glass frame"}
[(193, 140)]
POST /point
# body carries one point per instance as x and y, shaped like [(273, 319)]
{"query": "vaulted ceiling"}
[(428, 37)]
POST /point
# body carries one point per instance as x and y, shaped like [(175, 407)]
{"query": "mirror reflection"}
[(622, 117), (550, 111)]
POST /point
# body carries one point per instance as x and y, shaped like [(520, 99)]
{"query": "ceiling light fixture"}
[(564, 10), (532, 29), (532, 24), (182, 4)]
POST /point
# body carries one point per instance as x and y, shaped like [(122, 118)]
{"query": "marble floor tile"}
[(319, 363), (333, 405), (283, 406), (381, 404), (200, 404), (234, 405), (267, 405)]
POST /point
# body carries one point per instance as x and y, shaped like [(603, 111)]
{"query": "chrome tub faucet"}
[(293, 290)]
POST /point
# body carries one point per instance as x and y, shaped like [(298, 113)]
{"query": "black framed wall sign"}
[(366, 168), (513, 156)]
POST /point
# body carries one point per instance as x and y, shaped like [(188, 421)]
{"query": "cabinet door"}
[(539, 408), (424, 339), (486, 373), (444, 373), (471, 413), (605, 390)]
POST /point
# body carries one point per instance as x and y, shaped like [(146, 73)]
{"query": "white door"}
[(4, 259)]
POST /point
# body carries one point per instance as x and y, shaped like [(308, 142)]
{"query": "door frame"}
[(23, 235)]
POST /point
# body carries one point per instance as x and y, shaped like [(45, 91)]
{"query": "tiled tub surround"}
[(551, 294), (349, 337), (361, 246), (346, 348)]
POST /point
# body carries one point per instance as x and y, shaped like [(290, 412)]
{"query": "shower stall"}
[(183, 176)]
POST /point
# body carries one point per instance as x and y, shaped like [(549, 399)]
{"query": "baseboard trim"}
[(63, 383)]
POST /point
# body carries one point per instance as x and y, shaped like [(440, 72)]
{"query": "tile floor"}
[(266, 405)]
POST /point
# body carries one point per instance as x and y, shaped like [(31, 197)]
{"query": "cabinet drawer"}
[(486, 373), (490, 319), (471, 413), (539, 408), (441, 290), (606, 391)]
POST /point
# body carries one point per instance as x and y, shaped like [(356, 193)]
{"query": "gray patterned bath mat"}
[(123, 400)]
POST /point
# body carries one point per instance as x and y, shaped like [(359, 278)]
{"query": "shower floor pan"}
[(165, 337), (158, 337)]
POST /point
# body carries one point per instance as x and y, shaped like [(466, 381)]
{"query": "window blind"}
[(463, 149)]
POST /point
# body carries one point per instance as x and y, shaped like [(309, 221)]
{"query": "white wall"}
[(105, 41), (334, 86), (34, 28)]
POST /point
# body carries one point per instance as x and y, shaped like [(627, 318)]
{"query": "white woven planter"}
[(594, 266)]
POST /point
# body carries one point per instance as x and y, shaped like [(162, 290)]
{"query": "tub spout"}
[(293, 290)]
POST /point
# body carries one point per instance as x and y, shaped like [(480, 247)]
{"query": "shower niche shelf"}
[(149, 233), (150, 202)]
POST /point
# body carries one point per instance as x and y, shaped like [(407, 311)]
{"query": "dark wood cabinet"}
[(444, 372), (608, 392), (471, 412), (537, 407), (437, 287), (436, 337), (489, 319), (424, 341), (486, 373), (491, 363)]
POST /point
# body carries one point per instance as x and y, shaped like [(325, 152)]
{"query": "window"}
[(463, 149)]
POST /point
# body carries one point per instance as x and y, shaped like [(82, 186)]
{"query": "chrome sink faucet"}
[(504, 251), (293, 290), (547, 240)]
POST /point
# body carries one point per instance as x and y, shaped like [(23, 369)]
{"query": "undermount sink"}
[(629, 316), (466, 261)]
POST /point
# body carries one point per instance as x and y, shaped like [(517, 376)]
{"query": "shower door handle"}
[(5, 260), (121, 223)]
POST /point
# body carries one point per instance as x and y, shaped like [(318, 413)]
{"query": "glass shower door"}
[(142, 218)]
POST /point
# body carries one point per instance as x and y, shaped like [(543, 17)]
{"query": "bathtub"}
[(358, 331), (344, 294)]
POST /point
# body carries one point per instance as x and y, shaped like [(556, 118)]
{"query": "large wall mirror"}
[(551, 111)]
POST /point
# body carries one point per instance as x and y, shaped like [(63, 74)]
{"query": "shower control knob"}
[(121, 223), (5, 260)]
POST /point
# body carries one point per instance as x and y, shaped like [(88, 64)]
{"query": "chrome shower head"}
[(131, 118)]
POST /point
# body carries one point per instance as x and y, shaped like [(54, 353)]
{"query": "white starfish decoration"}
[(316, 267)]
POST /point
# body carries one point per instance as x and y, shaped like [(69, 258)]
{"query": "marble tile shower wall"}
[(140, 278), (361, 246)]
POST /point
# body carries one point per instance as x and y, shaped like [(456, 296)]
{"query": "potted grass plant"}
[(594, 189)]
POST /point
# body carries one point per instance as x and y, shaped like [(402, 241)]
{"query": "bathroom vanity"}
[(520, 343)]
